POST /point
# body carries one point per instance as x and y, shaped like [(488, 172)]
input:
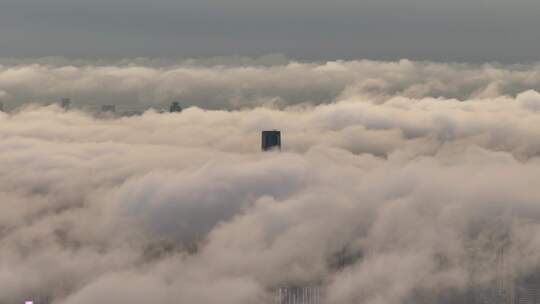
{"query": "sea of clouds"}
[(238, 83), (405, 168)]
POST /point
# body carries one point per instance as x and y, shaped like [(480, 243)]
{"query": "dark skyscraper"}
[(108, 109), (271, 140), (298, 295), (175, 107), (527, 289), (1, 107), (66, 103)]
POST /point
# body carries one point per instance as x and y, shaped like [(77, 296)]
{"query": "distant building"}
[(36, 299), (298, 295), (66, 103), (108, 109), (132, 113), (1, 107), (271, 140), (175, 107), (527, 289)]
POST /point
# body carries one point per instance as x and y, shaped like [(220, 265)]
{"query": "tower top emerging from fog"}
[(66, 103), (175, 107), (108, 109), (271, 140)]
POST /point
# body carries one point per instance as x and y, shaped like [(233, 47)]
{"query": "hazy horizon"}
[(233, 83)]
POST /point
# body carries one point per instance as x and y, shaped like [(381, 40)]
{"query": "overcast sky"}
[(463, 30)]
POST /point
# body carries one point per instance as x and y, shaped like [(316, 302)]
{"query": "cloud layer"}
[(236, 83), (412, 188)]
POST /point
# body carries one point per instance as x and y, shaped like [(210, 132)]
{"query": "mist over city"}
[(269, 152), (384, 190)]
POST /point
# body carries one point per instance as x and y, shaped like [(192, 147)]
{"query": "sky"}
[(436, 30)]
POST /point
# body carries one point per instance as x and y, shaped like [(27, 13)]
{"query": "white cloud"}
[(236, 83), (184, 207)]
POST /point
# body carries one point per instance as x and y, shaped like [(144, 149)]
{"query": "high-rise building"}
[(175, 107), (271, 140), (1, 107), (131, 113), (108, 109), (527, 290), (298, 295), (66, 103)]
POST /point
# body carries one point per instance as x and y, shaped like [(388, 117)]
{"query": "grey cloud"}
[(473, 30)]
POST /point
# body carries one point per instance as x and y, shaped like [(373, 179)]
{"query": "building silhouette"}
[(175, 107), (108, 109), (298, 295), (271, 140), (131, 113), (527, 289), (1, 107), (66, 103)]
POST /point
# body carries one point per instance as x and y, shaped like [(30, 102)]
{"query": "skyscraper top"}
[(108, 108), (66, 103), (175, 107), (271, 140)]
